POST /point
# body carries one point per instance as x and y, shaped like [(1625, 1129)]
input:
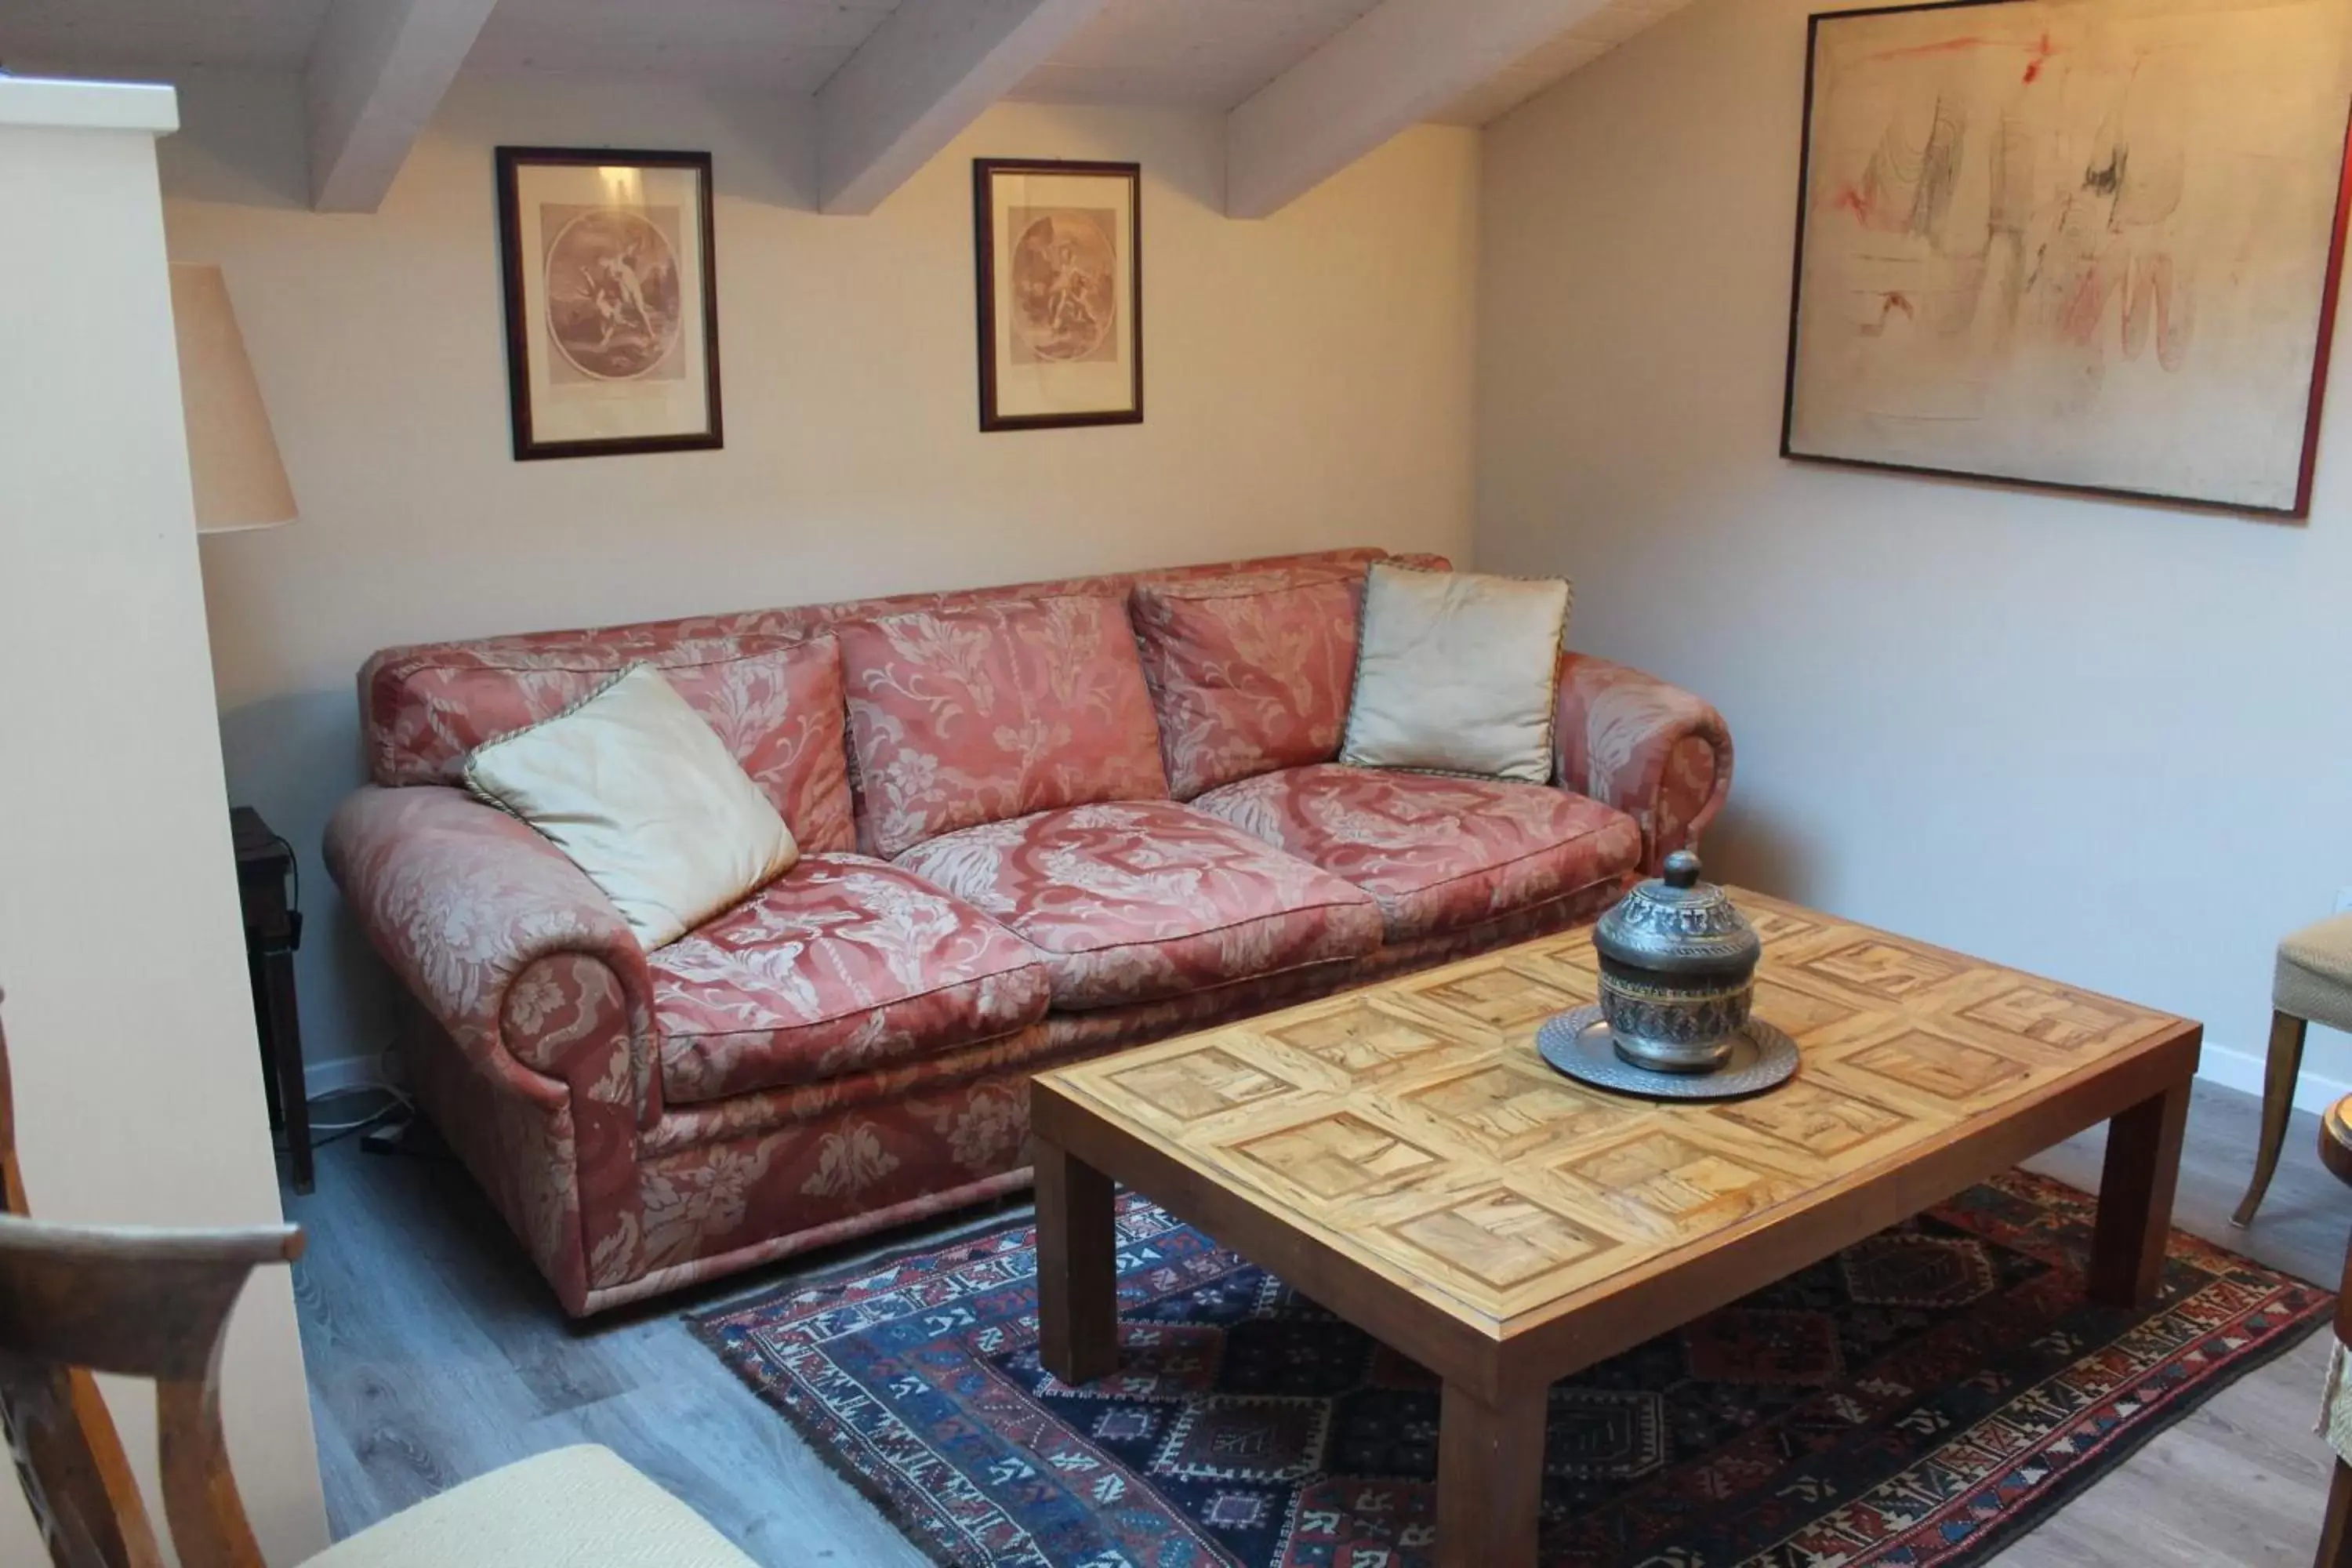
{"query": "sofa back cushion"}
[(778, 709), (412, 700), (781, 714), (1458, 673), (1247, 676), (964, 716)]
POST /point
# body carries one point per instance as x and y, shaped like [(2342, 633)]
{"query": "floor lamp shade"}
[(240, 481)]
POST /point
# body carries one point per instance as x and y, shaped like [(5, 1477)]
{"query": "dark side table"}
[(267, 879)]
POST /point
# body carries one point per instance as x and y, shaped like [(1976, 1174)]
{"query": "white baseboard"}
[(342, 1075), (2244, 1070)]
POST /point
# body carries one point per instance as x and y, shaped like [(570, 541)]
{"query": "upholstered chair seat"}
[(571, 1508), (2311, 982)]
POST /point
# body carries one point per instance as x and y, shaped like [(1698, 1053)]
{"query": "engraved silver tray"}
[(1577, 1043)]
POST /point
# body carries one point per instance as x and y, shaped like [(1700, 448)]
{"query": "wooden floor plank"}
[(436, 1353)]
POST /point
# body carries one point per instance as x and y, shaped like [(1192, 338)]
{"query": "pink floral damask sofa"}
[(1037, 822)]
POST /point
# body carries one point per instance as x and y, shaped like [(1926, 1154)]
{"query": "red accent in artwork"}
[(1947, 46), (2042, 52), (2148, 294), (2080, 320)]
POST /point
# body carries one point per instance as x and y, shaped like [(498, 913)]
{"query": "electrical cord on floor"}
[(397, 1105), (397, 1102)]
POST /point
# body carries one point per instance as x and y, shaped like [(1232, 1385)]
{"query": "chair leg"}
[(2336, 1530), (2278, 1104)]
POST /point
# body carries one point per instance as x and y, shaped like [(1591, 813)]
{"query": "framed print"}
[(612, 301), (1061, 293), (2089, 244)]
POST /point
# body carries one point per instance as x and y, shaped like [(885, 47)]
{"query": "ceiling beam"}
[(376, 73), (1396, 65), (927, 72)]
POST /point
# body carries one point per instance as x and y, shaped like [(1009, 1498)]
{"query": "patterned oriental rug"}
[(1920, 1399)]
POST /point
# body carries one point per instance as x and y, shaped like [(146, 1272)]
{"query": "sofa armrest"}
[(522, 961), (1649, 749)]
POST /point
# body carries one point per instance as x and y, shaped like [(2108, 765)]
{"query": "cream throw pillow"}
[(645, 797), (1457, 672)]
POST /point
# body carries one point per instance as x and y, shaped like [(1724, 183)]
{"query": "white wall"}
[(138, 1086), (1310, 383), (2100, 741)]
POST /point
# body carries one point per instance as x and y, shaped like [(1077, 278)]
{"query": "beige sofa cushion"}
[(644, 798), (1457, 672)]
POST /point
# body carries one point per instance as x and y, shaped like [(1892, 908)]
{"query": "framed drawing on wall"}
[(612, 301), (1061, 293), (2090, 244)]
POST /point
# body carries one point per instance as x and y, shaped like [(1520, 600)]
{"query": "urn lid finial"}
[(1678, 924)]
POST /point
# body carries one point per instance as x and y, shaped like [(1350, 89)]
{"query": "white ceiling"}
[(1606, 29), (794, 43), (1191, 54), (148, 35), (1205, 54)]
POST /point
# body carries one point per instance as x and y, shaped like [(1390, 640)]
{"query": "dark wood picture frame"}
[(983, 173), (2301, 508), (528, 447)]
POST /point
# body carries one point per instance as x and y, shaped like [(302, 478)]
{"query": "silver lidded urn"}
[(1678, 971)]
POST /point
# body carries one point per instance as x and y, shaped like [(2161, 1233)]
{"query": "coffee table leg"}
[(1489, 1480), (2136, 1198), (1078, 1268)]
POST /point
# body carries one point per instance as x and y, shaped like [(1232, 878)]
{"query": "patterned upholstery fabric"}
[(1133, 902), (1246, 678), (1096, 1030), (537, 1053), (471, 907), (778, 708), (781, 714), (1651, 750), (640, 792), (976, 715), (417, 704), (1437, 853), (846, 964), (613, 1215)]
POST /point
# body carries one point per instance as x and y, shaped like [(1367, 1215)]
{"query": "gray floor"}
[(436, 1355)]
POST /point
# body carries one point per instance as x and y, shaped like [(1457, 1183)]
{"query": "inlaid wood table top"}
[(1412, 1128)]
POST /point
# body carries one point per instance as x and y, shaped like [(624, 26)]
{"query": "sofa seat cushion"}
[(1439, 854), (1130, 902), (844, 964)]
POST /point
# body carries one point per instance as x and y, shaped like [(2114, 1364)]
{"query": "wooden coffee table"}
[(1402, 1156)]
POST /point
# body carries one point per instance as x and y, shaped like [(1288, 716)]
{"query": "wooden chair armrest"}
[(124, 1298)]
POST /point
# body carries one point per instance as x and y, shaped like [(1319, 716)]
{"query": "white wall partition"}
[(138, 1082)]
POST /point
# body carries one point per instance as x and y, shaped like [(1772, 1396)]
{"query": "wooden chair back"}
[(75, 1299)]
